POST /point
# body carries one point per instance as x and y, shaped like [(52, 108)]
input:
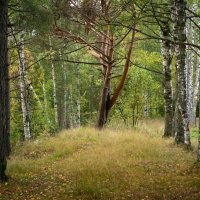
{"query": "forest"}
[(99, 99)]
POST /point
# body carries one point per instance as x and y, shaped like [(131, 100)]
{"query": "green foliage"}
[(194, 133), (142, 96), (36, 15)]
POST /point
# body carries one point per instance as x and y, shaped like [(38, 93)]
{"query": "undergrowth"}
[(113, 164)]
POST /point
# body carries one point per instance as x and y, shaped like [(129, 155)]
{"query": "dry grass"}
[(114, 164)]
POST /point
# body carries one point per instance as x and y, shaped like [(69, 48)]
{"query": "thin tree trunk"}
[(23, 89), (187, 62), (75, 122), (182, 133), (65, 109), (54, 93), (64, 122), (190, 69), (45, 104), (195, 93), (146, 106), (78, 98), (196, 89), (71, 108), (35, 95), (198, 145), (54, 86), (4, 92), (167, 58)]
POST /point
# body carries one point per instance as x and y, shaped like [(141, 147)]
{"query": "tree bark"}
[(167, 82), (196, 89), (105, 97), (104, 55), (107, 101), (23, 89), (35, 95), (198, 145), (55, 102), (195, 93), (190, 68), (64, 119), (45, 104), (182, 133), (71, 108), (78, 97), (4, 92)]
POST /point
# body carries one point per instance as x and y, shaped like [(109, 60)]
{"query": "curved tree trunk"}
[(106, 100), (4, 92)]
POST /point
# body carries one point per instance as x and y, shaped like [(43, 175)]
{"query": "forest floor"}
[(116, 164)]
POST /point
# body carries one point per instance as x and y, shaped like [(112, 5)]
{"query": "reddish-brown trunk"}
[(105, 98), (106, 101)]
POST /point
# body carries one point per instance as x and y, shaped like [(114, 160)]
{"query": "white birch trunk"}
[(182, 133), (190, 68), (196, 89), (64, 123), (54, 86), (65, 109), (75, 122), (167, 81), (195, 93), (45, 103), (35, 95), (71, 109), (23, 89), (78, 99), (198, 146)]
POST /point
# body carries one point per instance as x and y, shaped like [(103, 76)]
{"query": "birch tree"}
[(190, 33), (45, 103), (196, 84), (182, 133), (78, 96), (55, 103), (24, 88), (64, 114), (71, 109), (167, 83), (198, 145)]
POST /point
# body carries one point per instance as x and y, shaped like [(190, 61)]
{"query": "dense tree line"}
[(74, 62)]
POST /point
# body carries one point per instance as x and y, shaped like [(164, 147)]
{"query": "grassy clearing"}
[(114, 164)]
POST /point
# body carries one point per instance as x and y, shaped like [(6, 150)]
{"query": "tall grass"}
[(113, 164)]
